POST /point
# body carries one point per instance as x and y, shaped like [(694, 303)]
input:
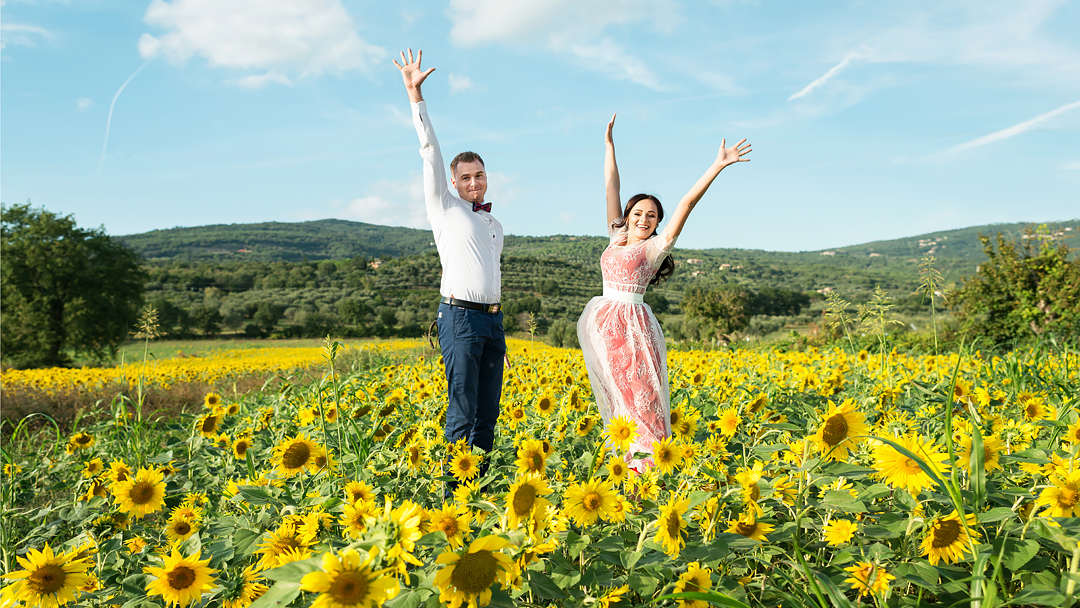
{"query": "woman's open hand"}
[(729, 156), (607, 134)]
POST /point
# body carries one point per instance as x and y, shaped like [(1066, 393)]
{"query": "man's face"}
[(470, 179)]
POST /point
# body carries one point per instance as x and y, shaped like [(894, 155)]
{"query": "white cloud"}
[(833, 71), (1014, 130), (572, 27), (390, 203), (459, 83), (279, 40), (256, 81), (987, 35), (22, 34), (83, 104)]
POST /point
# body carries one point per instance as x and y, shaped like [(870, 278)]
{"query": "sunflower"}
[(695, 580), (135, 544), (899, 471), (992, 448), (613, 596), (620, 432), (358, 490), (617, 471), (516, 416), (464, 465), (748, 526), (1034, 407), (868, 578), (79, 441), (670, 526), (118, 471), (179, 529), (47, 578), (241, 446), (947, 539), (295, 454), (91, 468), (281, 545), (750, 480), (414, 454), (232, 409), (180, 580), (839, 531), (453, 521), (140, 495), (356, 515), (729, 421), (545, 404), (467, 577), (839, 432), (348, 581), (531, 457), (1073, 434), (667, 454), (1062, 499), (525, 498), (211, 401), (403, 525), (585, 425), (207, 424), (251, 588), (585, 502)]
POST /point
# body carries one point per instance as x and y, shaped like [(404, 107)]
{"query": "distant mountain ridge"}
[(341, 239)]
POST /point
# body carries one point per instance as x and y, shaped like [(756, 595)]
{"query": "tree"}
[(726, 307), (64, 289), (1022, 291)]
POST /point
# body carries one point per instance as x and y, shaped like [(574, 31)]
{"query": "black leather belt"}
[(488, 308)]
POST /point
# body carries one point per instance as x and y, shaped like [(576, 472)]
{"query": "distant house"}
[(828, 253), (875, 255), (243, 251), (374, 264), (725, 266)]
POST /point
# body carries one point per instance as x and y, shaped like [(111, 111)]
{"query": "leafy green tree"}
[(1022, 291), (65, 289), (726, 307)]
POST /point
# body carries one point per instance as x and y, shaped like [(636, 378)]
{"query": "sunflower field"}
[(811, 478)]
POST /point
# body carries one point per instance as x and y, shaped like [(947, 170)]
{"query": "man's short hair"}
[(465, 157)]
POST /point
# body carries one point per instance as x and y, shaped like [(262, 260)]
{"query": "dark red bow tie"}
[(479, 206)]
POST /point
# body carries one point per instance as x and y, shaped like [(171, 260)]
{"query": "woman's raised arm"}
[(611, 177), (726, 156)]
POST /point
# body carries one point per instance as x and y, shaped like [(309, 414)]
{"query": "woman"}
[(622, 343)]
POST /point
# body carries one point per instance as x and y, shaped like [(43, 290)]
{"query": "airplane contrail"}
[(1015, 129), (825, 77), (112, 106)]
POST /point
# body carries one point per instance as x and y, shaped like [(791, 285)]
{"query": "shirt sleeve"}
[(437, 196), (658, 247)]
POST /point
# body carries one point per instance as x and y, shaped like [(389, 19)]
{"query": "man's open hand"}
[(411, 73)]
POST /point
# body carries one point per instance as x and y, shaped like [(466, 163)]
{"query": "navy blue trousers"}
[(473, 345)]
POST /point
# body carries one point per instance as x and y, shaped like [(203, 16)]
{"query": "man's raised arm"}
[(436, 194)]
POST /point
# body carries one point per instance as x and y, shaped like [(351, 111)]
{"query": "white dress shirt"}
[(469, 242)]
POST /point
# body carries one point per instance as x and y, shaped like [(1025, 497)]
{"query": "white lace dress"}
[(622, 342)]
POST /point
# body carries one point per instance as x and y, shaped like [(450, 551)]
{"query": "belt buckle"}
[(492, 308)]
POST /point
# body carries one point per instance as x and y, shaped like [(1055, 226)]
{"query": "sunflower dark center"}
[(209, 424), (946, 533), (591, 501), (47, 579), (296, 455), (1067, 498), (536, 462), (524, 499), (1031, 409), (545, 404), (475, 572), (836, 429), (141, 492), (182, 528), (449, 525), (350, 587), (465, 465), (673, 525), (181, 577), (242, 448), (746, 529)]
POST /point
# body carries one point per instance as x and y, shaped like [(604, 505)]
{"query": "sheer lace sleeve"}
[(616, 236), (658, 247)]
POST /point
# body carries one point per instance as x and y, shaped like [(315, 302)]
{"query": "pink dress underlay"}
[(622, 342)]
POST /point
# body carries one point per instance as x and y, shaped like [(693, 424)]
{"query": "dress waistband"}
[(624, 296)]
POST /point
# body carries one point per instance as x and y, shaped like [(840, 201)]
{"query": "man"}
[(470, 242)]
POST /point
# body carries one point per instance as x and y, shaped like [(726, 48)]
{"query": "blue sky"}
[(869, 120)]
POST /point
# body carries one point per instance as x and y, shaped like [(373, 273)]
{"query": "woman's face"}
[(642, 220)]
